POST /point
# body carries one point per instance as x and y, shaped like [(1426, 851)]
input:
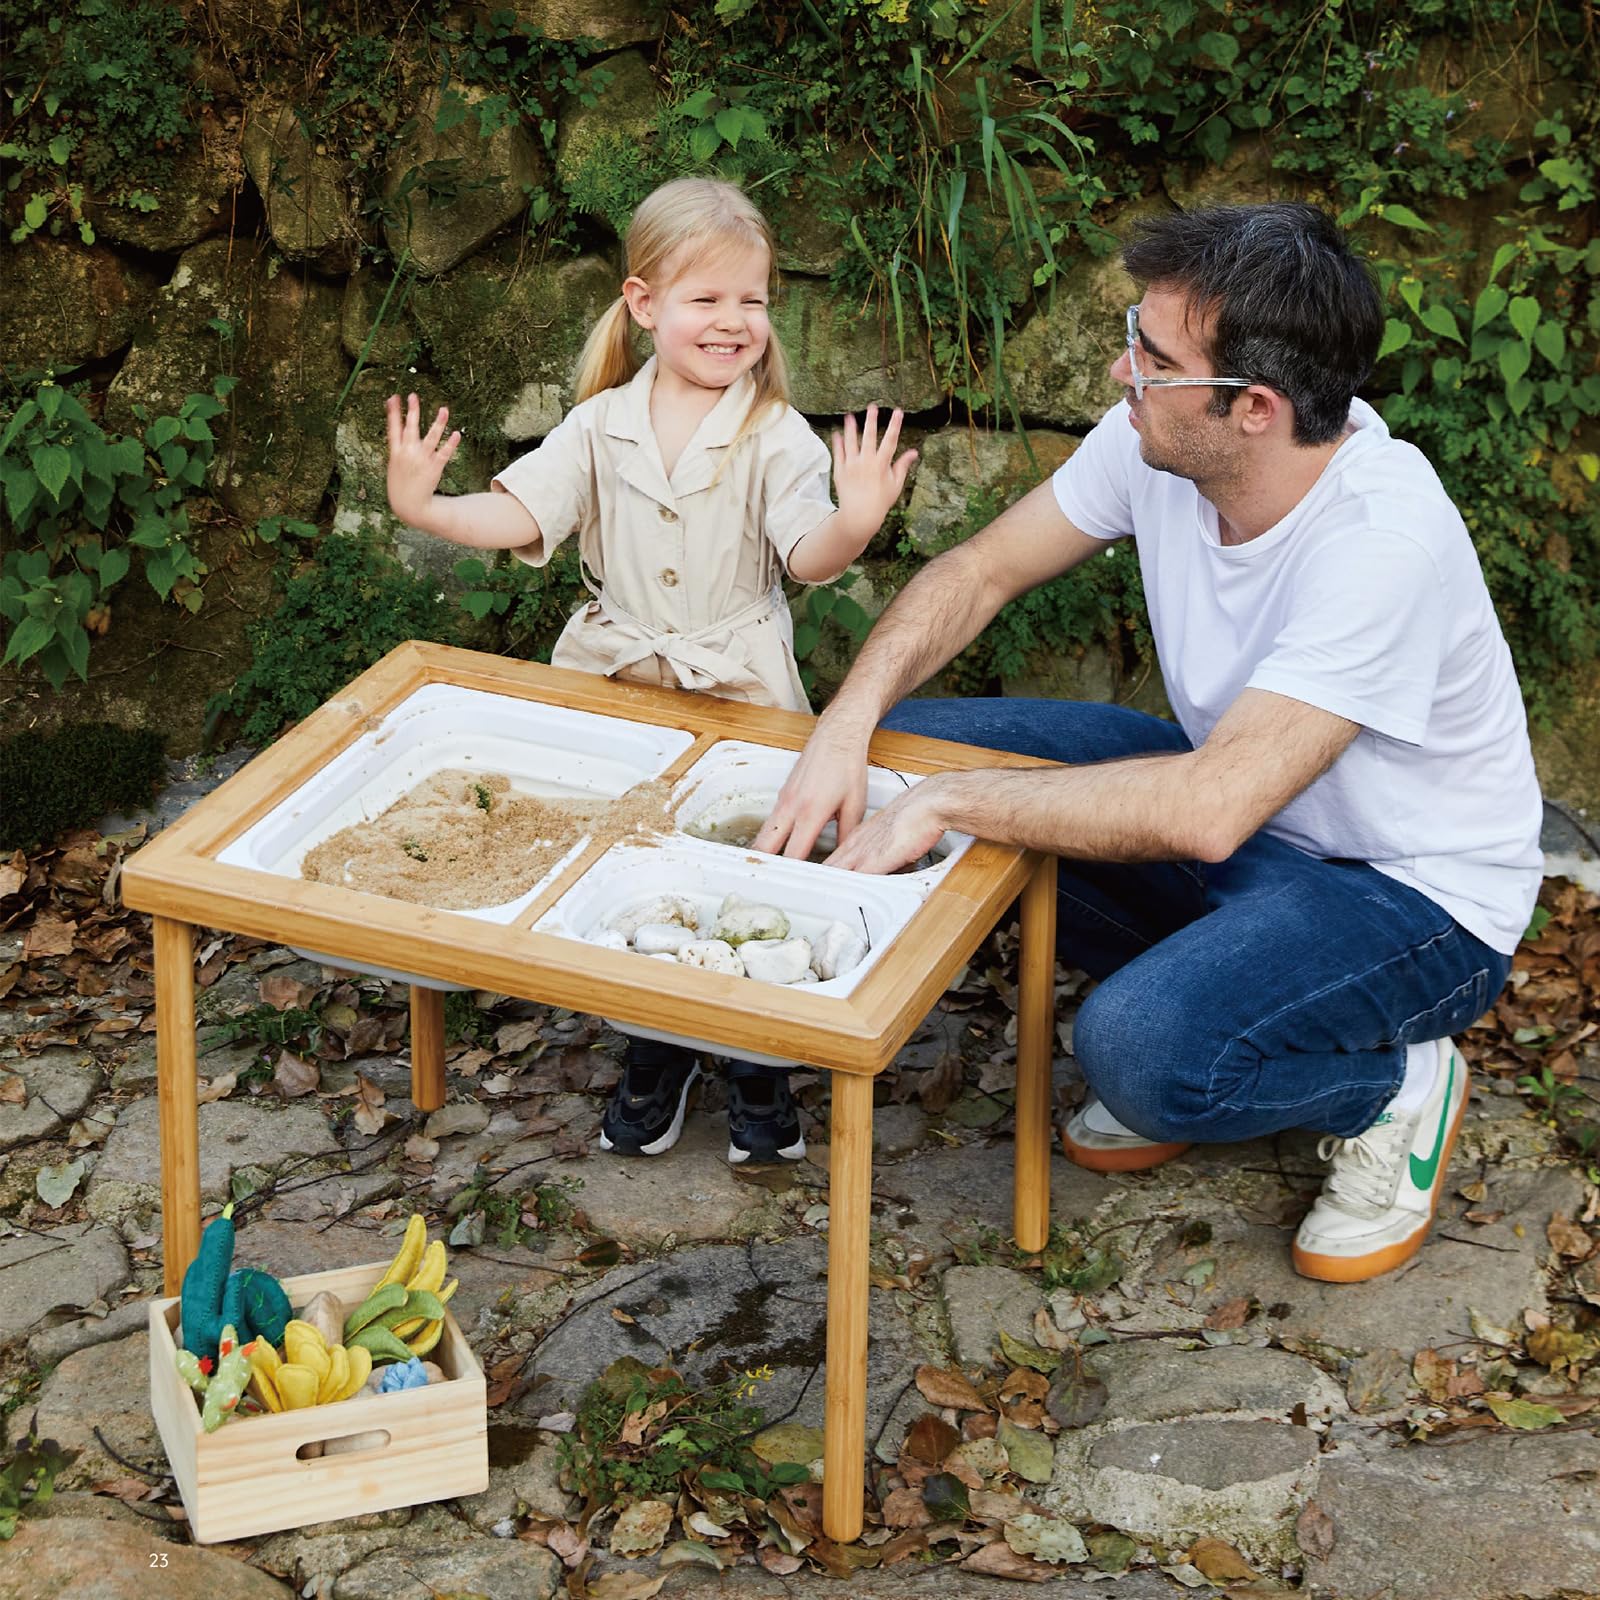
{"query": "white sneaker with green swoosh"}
[(1378, 1200)]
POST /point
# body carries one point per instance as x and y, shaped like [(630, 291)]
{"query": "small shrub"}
[(53, 781), (343, 608)]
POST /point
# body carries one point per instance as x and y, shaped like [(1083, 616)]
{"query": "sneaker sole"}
[(658, 1147), (789, 1152), (1134, 1158), (1358, 1269)]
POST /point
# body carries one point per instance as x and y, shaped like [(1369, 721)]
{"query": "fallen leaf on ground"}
[(944, 1386), (294, 1075), (625, 1586), (1032, 1455), (370, 1115), (49, 936), (641, 1529), (1567, 1238), (778, 1562), (999, 1560), (1027, 1355), (931, 1439), (1220, 1562), (905, 1508), (1523, 1414), (284, 993), (1314, 1531), (55, 1185), (13, 1090), (1051, 1539), (218, 1088)]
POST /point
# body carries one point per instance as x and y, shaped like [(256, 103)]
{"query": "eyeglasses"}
[(1141, 383)]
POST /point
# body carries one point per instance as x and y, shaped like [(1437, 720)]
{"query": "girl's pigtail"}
[(609, 357)]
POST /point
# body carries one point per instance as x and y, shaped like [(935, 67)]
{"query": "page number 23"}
[(158, 1558)]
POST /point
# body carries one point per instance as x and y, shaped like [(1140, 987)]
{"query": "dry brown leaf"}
[(945, 1386), (13, 1090), (294, 1075), (1230, 1314), (999, 1560), (1567, 1239), (420, 1149), (218, 1088), (904, 1508), (284, 993), (626, 1586), (370, 1115), (12, 876), (778, 1562), (1025, 1382), (49, 936), (1220, 1562), (902, 1547), (930, 1439), (1433, 1373), (941, 1083), (515, 1036), (1314, 1531)]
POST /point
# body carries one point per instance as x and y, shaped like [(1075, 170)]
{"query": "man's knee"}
[(1146, 1060)]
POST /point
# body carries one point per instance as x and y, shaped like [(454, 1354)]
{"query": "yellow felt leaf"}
[(262, 1356), (263, 1388), (297, 1386), (360, 1359), (338, 1376), (304, 1346)]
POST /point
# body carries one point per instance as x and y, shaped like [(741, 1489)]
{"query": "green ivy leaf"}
[(1396, 336), (1550, 340), (1525, 315), (477, 604), (114, 566), (1514, 360), (703, 142), (1490, 303), (1441, 320), (729, 122), (1405, 217), (28, 638), (53, 464), (1222, 49)]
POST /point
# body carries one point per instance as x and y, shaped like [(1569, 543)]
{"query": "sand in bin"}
[(460, 840)]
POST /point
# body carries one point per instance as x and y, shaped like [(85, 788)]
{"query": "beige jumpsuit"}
[(686, 570)]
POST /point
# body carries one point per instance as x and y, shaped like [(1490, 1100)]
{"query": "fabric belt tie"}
[(698, 666)]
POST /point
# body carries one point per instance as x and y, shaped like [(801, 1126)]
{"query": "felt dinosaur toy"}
[(251, 1301), (221, 1387)]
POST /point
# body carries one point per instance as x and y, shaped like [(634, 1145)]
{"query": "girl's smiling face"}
[(709, 319)]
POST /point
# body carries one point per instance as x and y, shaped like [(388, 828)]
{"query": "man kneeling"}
[(1296, 894)]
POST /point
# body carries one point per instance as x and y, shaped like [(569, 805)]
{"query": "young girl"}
[(693, 486)]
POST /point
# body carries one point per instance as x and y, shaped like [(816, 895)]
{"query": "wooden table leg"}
[(427, 1048), (1036, 1030), (176, 1099), (849, 1219)]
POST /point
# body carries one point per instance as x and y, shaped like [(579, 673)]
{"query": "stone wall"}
[(256, 262)]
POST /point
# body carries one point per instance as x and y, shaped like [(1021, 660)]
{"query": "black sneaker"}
[(645, 1114), (763, 1124)]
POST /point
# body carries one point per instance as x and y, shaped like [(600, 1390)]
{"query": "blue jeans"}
[(1272, 990)]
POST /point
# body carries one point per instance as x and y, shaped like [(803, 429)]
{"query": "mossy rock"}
[(66, 304), (488, 180), (957, 464), (394, 342), (505, 337), (611, 22), (195, 198), (308, 197), (622, 118), (839, 361), (275, 451), (361, 448)]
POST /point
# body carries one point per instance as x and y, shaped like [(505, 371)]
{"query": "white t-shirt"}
[(1367, 600)]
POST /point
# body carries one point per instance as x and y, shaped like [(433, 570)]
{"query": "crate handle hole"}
[(345, 1444)]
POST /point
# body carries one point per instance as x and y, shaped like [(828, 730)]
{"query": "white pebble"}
[(839, 950), (664, 908), (609, 939), (776, 960), (665, 955), (739, 920), (658, 938), (715, 955)]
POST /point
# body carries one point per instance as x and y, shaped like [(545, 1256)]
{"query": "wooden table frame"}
[(177, 878)]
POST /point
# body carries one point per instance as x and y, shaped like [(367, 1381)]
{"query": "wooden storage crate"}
[(249, 1477)]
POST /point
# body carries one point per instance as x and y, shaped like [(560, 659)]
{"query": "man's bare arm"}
[(1199, 805), (941, 611)]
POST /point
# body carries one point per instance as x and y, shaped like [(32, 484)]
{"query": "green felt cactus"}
[(223, 1387)]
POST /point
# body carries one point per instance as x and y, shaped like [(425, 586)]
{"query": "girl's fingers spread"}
[(413, 412), (869, 430), (849, 433), (450, 446), (391, 414), (902, 467), (891, 434), (436, 432), (838, 451)]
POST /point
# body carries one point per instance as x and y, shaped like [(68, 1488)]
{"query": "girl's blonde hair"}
[(678, 225)]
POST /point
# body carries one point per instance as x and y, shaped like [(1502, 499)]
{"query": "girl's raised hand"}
[(866, 477), (416, 460)]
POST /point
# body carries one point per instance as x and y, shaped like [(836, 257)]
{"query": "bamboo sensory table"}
[(179, 880)]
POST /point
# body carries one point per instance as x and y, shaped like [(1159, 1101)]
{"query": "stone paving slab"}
[(71, 1267), (1467, 1519), (60, 1085)]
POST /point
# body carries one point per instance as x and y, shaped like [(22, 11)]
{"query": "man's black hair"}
[(1293, 306)]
